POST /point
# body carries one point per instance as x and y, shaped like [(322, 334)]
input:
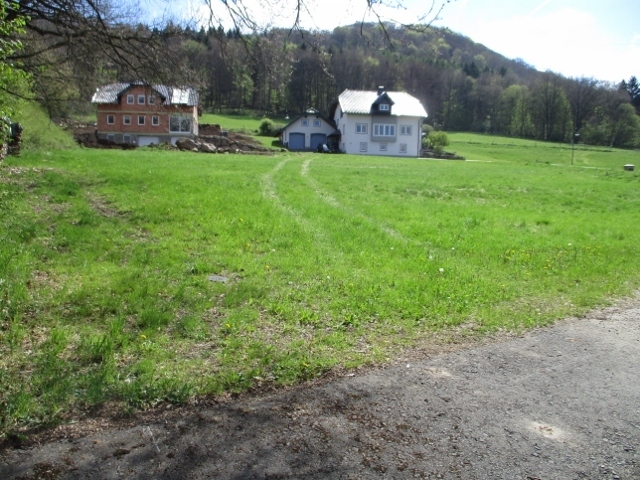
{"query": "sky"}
[(576, 38)]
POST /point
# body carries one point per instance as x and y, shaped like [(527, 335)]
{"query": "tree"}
[(550, 109), (632, 87), (583, 94), (72, 43), (12, 77)]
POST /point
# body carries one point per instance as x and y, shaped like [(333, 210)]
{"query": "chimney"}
[(380, 90)]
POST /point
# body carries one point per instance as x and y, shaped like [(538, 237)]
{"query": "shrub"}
[(267, 127), (438, 140)]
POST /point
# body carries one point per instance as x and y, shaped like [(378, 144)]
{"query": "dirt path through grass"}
[(559, 402)]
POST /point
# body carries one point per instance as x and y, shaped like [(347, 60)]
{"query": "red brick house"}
[(142, 114)]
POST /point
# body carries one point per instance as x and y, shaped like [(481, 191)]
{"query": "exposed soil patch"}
[(224, 141)]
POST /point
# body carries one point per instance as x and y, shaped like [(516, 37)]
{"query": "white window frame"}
[(131, 99), (405, 129), (383, 107), (141, 119), (384, 130), (126, 119), (363, 146), (403, 148), (383, 147), (362, 128), (141, 99), (111, 137), (126, 138), (316, 123), (155, 120), (305, 122), (152, 100), (111, 119)]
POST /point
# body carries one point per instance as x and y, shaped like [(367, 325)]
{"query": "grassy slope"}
[(39, 132), (332, 260)]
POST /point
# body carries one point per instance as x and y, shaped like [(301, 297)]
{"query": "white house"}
[(307, 131), (379, 123)]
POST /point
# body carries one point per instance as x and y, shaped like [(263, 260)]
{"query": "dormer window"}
[(384, 107)]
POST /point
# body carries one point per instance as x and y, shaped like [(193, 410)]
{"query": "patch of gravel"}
[(561, 402)]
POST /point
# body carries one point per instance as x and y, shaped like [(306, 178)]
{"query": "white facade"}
[(310, 128), (358, 135)]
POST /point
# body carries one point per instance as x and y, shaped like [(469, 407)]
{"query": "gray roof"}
[(360, 101), (171, 95)]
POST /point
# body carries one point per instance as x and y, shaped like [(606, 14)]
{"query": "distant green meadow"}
[(111, 263)]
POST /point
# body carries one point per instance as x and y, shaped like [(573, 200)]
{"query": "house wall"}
[(298, 127), (400, 145), (119, 110)]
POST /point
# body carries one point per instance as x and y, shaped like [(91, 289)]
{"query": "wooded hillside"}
[(463, 85)]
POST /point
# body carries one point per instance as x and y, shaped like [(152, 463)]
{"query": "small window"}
[(305, 123), (111, 137), (140, 119), (130, 99), (403, 148), (126, 138), (383, 147), (155, 120), (316, 123), (152, 99), (141, 99), (126, 120), (363, 146), (111, 119), (405, 129), (384, 107), (362, 128)]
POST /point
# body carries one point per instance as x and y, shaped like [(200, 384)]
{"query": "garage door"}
[(317, 138), (143, 141), (296, 141)]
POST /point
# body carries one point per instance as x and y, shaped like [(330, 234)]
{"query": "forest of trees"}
[(463, 85)]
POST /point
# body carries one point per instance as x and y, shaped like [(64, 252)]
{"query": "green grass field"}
[(332, 261)]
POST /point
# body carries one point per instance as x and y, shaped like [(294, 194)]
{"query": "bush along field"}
[(142, 277)]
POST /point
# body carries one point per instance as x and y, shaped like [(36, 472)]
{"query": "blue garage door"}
[(296, 141), (317, 138)]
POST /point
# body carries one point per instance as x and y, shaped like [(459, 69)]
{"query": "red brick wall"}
[(135, 109)]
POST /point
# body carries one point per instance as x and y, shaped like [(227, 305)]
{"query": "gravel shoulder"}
[(561, 402)]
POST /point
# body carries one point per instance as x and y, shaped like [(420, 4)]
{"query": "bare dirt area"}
[(561, 402), (223, 141)]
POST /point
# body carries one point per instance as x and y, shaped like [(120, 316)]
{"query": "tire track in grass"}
[(269, 192), (332, 201)]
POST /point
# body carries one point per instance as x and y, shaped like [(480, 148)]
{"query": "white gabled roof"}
[(360, 101)]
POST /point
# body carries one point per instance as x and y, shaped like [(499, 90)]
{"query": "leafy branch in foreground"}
[(12, 77)]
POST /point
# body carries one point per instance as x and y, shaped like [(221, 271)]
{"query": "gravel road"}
[(556, 403)]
